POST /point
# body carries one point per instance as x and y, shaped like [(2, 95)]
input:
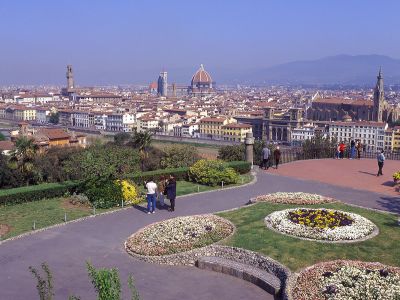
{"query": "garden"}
[(332, 250)]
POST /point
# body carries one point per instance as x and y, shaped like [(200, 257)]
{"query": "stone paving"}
[(353, 173), (101, 241)]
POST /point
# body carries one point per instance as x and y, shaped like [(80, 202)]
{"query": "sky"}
[(131, 41)]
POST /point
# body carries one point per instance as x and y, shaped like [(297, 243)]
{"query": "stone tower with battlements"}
[(70, 78)]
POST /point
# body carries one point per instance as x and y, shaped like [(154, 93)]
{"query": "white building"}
[(146, 124), (124, 122), (371, 134), (303, 133), (42, 115)]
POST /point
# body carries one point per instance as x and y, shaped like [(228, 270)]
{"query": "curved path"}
[(100, 240)]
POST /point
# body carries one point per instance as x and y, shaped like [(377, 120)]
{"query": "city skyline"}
[(132, 42)]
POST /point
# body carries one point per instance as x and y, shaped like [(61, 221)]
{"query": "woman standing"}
[(171, 191), (277, 156), (160, 190)]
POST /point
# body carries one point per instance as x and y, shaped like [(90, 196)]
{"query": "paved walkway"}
[(100, 240), (354, 173)]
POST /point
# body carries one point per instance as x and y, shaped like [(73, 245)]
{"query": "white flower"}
[(360, 228)]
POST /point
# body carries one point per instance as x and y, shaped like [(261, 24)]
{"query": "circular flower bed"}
[(294, 198), (343, 279), (321, 224), (179, 235)]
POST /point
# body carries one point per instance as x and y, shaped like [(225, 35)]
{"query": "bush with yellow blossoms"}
[(130, 192)]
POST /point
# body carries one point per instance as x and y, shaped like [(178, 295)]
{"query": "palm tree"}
[(142, 141), (24, 154)]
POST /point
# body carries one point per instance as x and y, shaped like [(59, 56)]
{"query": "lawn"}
[(295, 253), (19, 218)]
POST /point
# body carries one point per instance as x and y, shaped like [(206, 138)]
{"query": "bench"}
[(263, 279)]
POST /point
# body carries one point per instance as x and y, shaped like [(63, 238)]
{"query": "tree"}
[(319, 147), (231, 153), (121, 138), (54, 118), (142, 142), (22, 158), (176, 156), (8, 178), (2, 137)]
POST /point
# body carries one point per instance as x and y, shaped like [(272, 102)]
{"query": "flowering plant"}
[(130, 192), (293, 198), (343, 279), (396, 176), (179, 234), (348, 226), (320, 218)]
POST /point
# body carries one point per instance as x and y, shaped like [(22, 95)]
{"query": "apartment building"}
[(235, 132), (212, 127), (371, 134), (147, 124)]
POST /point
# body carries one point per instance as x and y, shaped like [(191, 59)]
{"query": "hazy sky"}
[(130, 41)]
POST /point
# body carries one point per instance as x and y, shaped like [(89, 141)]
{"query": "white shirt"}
[(151, 187)]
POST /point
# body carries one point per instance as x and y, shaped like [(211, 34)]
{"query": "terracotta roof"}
[(332, 100), (6, 145), (201, 76), (217, 120), (54, 133)]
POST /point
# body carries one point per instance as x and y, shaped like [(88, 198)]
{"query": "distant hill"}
[(340, 69)]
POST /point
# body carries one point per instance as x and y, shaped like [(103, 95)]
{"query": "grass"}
[(47, 212), (44, 213), (295, 253)]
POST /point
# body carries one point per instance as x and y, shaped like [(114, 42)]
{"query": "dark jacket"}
[(171, 189), (277, 154)]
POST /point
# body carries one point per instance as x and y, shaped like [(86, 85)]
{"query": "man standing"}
[(266, 153), (277, 156), (381, 160), (151, 187)]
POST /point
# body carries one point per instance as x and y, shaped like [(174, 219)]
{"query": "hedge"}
[(51, 190), (35, 192)]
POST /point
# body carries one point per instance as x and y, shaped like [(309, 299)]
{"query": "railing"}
[(293, 154)]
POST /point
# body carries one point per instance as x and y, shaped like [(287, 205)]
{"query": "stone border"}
[(373, 234)]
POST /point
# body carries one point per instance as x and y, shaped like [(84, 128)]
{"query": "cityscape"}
[(200, 151)]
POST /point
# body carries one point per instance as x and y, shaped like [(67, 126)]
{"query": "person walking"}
[(277, 156), (338, 151), (171, 191), (266, 153), (342, 147), (151, 187), (160, 191), (352, 149), (359, 149), (381, 160)]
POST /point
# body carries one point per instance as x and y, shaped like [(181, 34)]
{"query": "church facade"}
[(337, 109)]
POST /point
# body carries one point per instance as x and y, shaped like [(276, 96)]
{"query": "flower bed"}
[(320, 218), (179, 235), (293, 198), (343, 279), (325, 224)]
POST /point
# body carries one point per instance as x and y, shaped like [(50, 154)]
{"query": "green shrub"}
[(241, 167), (212, 172), (104, 194), (177, 156), (231, 153), (106, 282), (36, 192), (179, 174)]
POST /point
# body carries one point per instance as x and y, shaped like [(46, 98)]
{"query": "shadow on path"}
[(390, 203), (368, 173)]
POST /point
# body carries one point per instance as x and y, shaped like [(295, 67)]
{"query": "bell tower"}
[(379, 98), (70, 78)]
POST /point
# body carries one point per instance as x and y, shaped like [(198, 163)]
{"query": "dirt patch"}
[(68, 205), (4, 229)]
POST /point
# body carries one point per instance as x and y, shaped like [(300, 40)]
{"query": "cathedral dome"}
[(201, 77)]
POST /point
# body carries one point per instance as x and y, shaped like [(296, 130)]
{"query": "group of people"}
[(355, 148), (266, 157), (166, 187)]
